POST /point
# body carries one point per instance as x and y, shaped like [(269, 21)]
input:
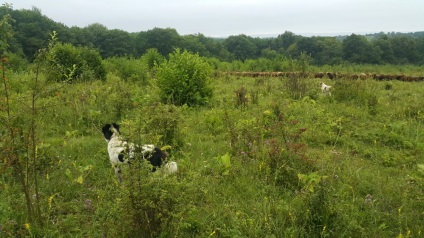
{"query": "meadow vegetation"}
[(255, 161), (258, 156)]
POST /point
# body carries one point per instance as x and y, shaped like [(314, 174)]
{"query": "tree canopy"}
[(31, 32)]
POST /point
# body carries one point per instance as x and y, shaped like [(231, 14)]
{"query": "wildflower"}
[(27, 226)]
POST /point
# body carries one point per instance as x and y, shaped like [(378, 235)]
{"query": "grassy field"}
[(267, 157)]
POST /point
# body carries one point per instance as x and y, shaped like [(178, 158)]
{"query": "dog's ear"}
[(107, 133), (116, 126)]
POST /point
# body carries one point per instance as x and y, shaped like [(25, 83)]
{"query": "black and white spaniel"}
[(121, 152)]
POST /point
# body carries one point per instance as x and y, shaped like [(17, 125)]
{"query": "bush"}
[(128, 68), (152, 58), (157, 124), (184, 79), (71, 63), (154, 205), (17, 62), (357, 92), (296, 83)]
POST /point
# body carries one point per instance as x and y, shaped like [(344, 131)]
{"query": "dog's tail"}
[(170, 167)]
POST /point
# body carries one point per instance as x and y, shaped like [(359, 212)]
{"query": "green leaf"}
[(225, 159), (421, 168), (226, 162), (68, 173), (79, 180)]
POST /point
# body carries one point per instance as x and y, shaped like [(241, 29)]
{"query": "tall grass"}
[(346, 165)]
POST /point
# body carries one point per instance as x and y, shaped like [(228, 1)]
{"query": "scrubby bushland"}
[(256, 162), (184, 79)]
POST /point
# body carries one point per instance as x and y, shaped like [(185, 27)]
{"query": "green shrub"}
[(184, 79), (297, 84), (128, 68), (70, 63), (241, 98), (157, 124), (17, 62), (154, 205), (360, 93), (152, 58)]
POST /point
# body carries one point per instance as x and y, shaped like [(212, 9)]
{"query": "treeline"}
[(31, 32)]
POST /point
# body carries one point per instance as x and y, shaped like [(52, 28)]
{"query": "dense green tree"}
[(213, 47), (330, 51), (205, 46), (241, 46), (385, 49), (109, 42), (357, 49), (405, 49), (420, 50), (117, 43), (309, 45), (95, 33), (269, 54), (6, 34), (283, 41), (261, 44), (79, 37), (193, 44), (32, 30), (164, 40), (140, 43)]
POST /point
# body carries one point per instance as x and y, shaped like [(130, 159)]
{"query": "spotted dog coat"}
[(121, 152)]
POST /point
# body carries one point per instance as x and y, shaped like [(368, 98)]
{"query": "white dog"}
[(325, 88), (120, 152)]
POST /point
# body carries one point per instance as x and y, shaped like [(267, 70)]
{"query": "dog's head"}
[(109, 130)]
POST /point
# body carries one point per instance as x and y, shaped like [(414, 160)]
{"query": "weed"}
[(241, 98)]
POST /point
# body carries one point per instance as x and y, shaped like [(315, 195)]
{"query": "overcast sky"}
[(233, 17)]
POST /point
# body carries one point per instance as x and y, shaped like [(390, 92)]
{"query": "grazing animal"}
[(325, 88), (121, 152)]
